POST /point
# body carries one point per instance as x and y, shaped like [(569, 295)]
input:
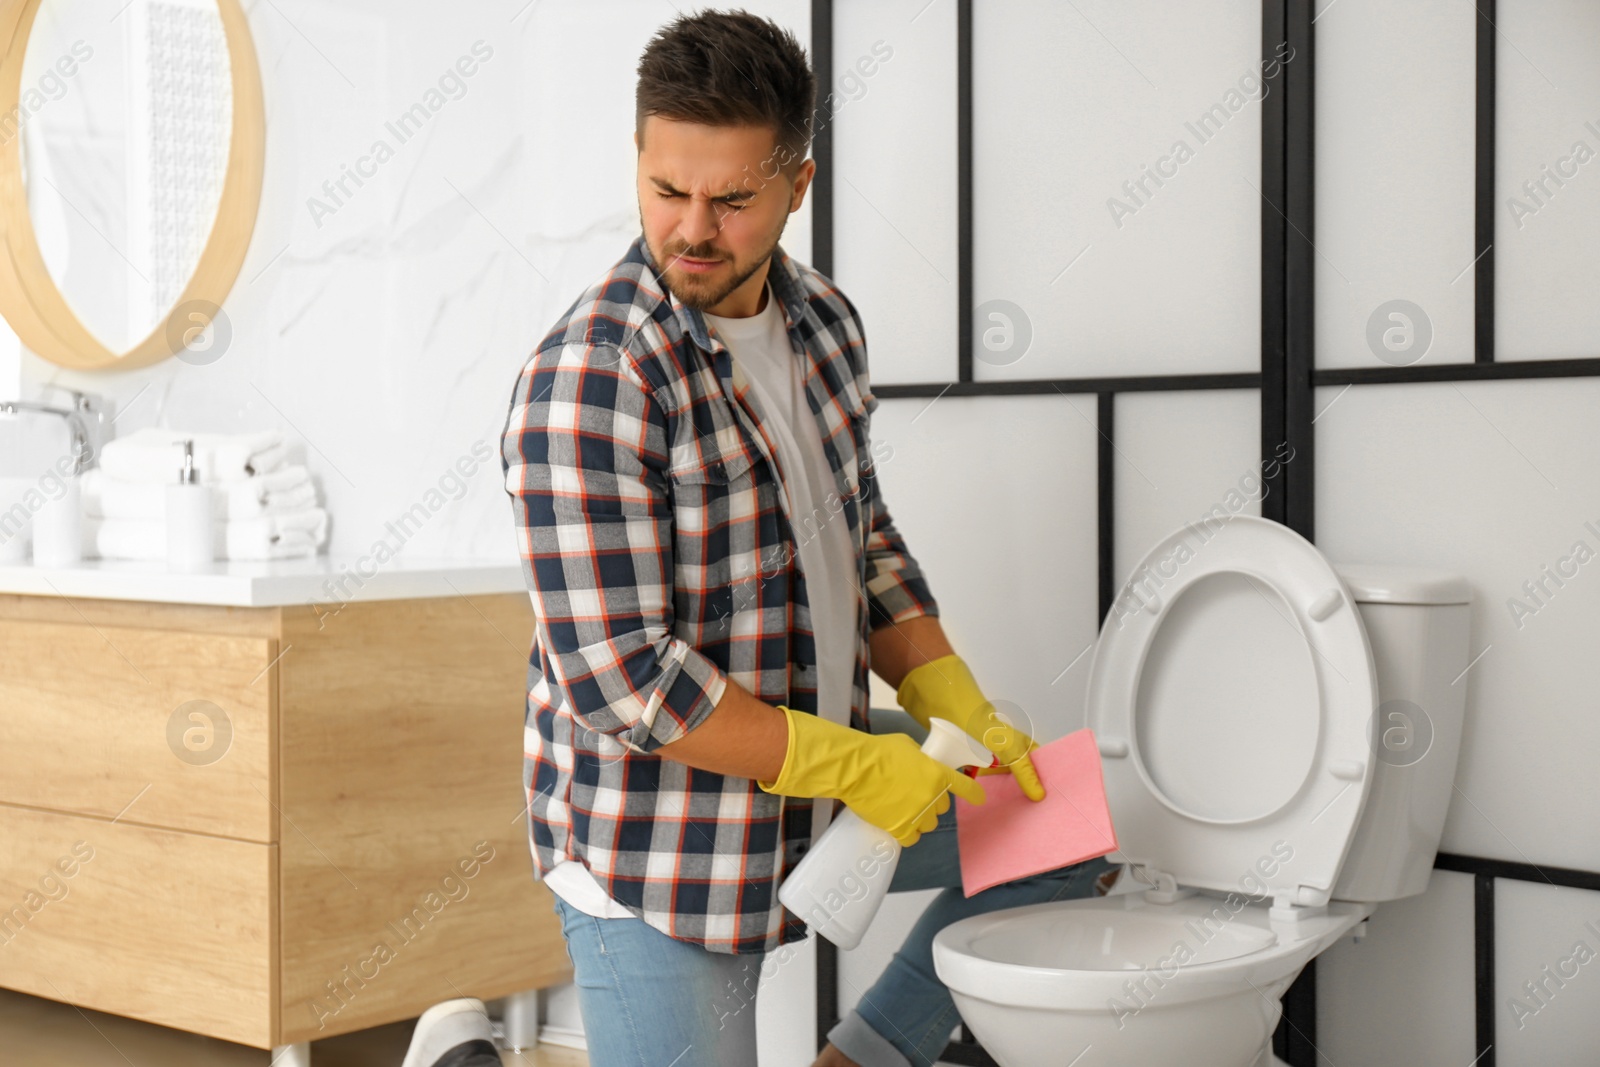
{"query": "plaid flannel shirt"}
[(661, 560)]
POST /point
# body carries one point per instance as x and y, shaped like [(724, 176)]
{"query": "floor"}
[(46, 1033)]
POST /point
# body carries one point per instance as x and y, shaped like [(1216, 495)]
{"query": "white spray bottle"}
[(837, 887)]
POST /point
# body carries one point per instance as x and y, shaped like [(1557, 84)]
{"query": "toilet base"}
[(1227, 1031)]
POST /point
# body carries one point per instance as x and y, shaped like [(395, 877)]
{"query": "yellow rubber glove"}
[(884, 778), (945, 689)]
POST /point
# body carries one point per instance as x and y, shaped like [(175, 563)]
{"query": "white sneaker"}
[(455, 1033)]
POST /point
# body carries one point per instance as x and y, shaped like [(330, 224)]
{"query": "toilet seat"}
[(1232, 694)]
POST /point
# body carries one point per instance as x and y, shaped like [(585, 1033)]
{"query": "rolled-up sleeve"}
[(584, 455)]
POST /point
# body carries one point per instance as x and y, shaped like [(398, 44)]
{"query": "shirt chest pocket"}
[(717, 496), (724, 507), (702, 471)]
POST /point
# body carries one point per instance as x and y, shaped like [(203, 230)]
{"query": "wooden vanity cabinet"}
[(268, 825)]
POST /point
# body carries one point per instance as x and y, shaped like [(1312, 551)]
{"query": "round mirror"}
[(131, 140)]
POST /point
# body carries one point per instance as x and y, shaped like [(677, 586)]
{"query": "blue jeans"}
[(649, 1000)]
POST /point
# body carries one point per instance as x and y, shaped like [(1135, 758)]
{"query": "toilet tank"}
[(1417, 624)]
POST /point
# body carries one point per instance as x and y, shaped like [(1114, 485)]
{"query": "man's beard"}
[(700, 291)]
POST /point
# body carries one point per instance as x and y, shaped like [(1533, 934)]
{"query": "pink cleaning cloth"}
[(1012, 837)]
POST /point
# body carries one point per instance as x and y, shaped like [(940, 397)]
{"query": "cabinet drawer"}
[(157, 727), (173, 928), (402, 763)]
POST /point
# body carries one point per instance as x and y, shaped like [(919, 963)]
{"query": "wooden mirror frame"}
[(30, 300)]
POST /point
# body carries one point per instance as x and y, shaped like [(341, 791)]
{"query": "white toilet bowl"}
[(1119, 980), (1247, 729)]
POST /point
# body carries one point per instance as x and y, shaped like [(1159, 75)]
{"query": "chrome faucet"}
[(88, 421)]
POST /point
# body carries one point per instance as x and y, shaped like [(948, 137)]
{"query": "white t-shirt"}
[(765, 360)]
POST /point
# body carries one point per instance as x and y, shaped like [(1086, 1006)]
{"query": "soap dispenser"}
[(58, 527), (190, 518)]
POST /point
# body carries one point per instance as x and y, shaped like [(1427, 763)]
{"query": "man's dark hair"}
[(730, 68)]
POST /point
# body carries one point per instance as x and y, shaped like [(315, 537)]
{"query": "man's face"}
[(712, 204)]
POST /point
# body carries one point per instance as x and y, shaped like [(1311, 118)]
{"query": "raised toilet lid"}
[(1231, 692)]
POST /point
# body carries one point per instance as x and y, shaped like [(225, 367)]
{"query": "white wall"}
[(1549, 102), (1494, 480), (386, 339), (1394, 179)]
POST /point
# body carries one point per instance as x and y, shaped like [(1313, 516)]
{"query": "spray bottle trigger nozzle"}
[(972, 770)]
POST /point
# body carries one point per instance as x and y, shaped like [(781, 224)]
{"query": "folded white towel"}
[(156, 455), (278, 492), (298, 533)]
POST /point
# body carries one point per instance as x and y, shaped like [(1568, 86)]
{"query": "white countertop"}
[(235, 583)]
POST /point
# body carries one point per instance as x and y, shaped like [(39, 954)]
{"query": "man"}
[(713, 572)]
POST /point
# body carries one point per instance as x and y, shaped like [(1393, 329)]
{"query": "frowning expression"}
[(713, 202)]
